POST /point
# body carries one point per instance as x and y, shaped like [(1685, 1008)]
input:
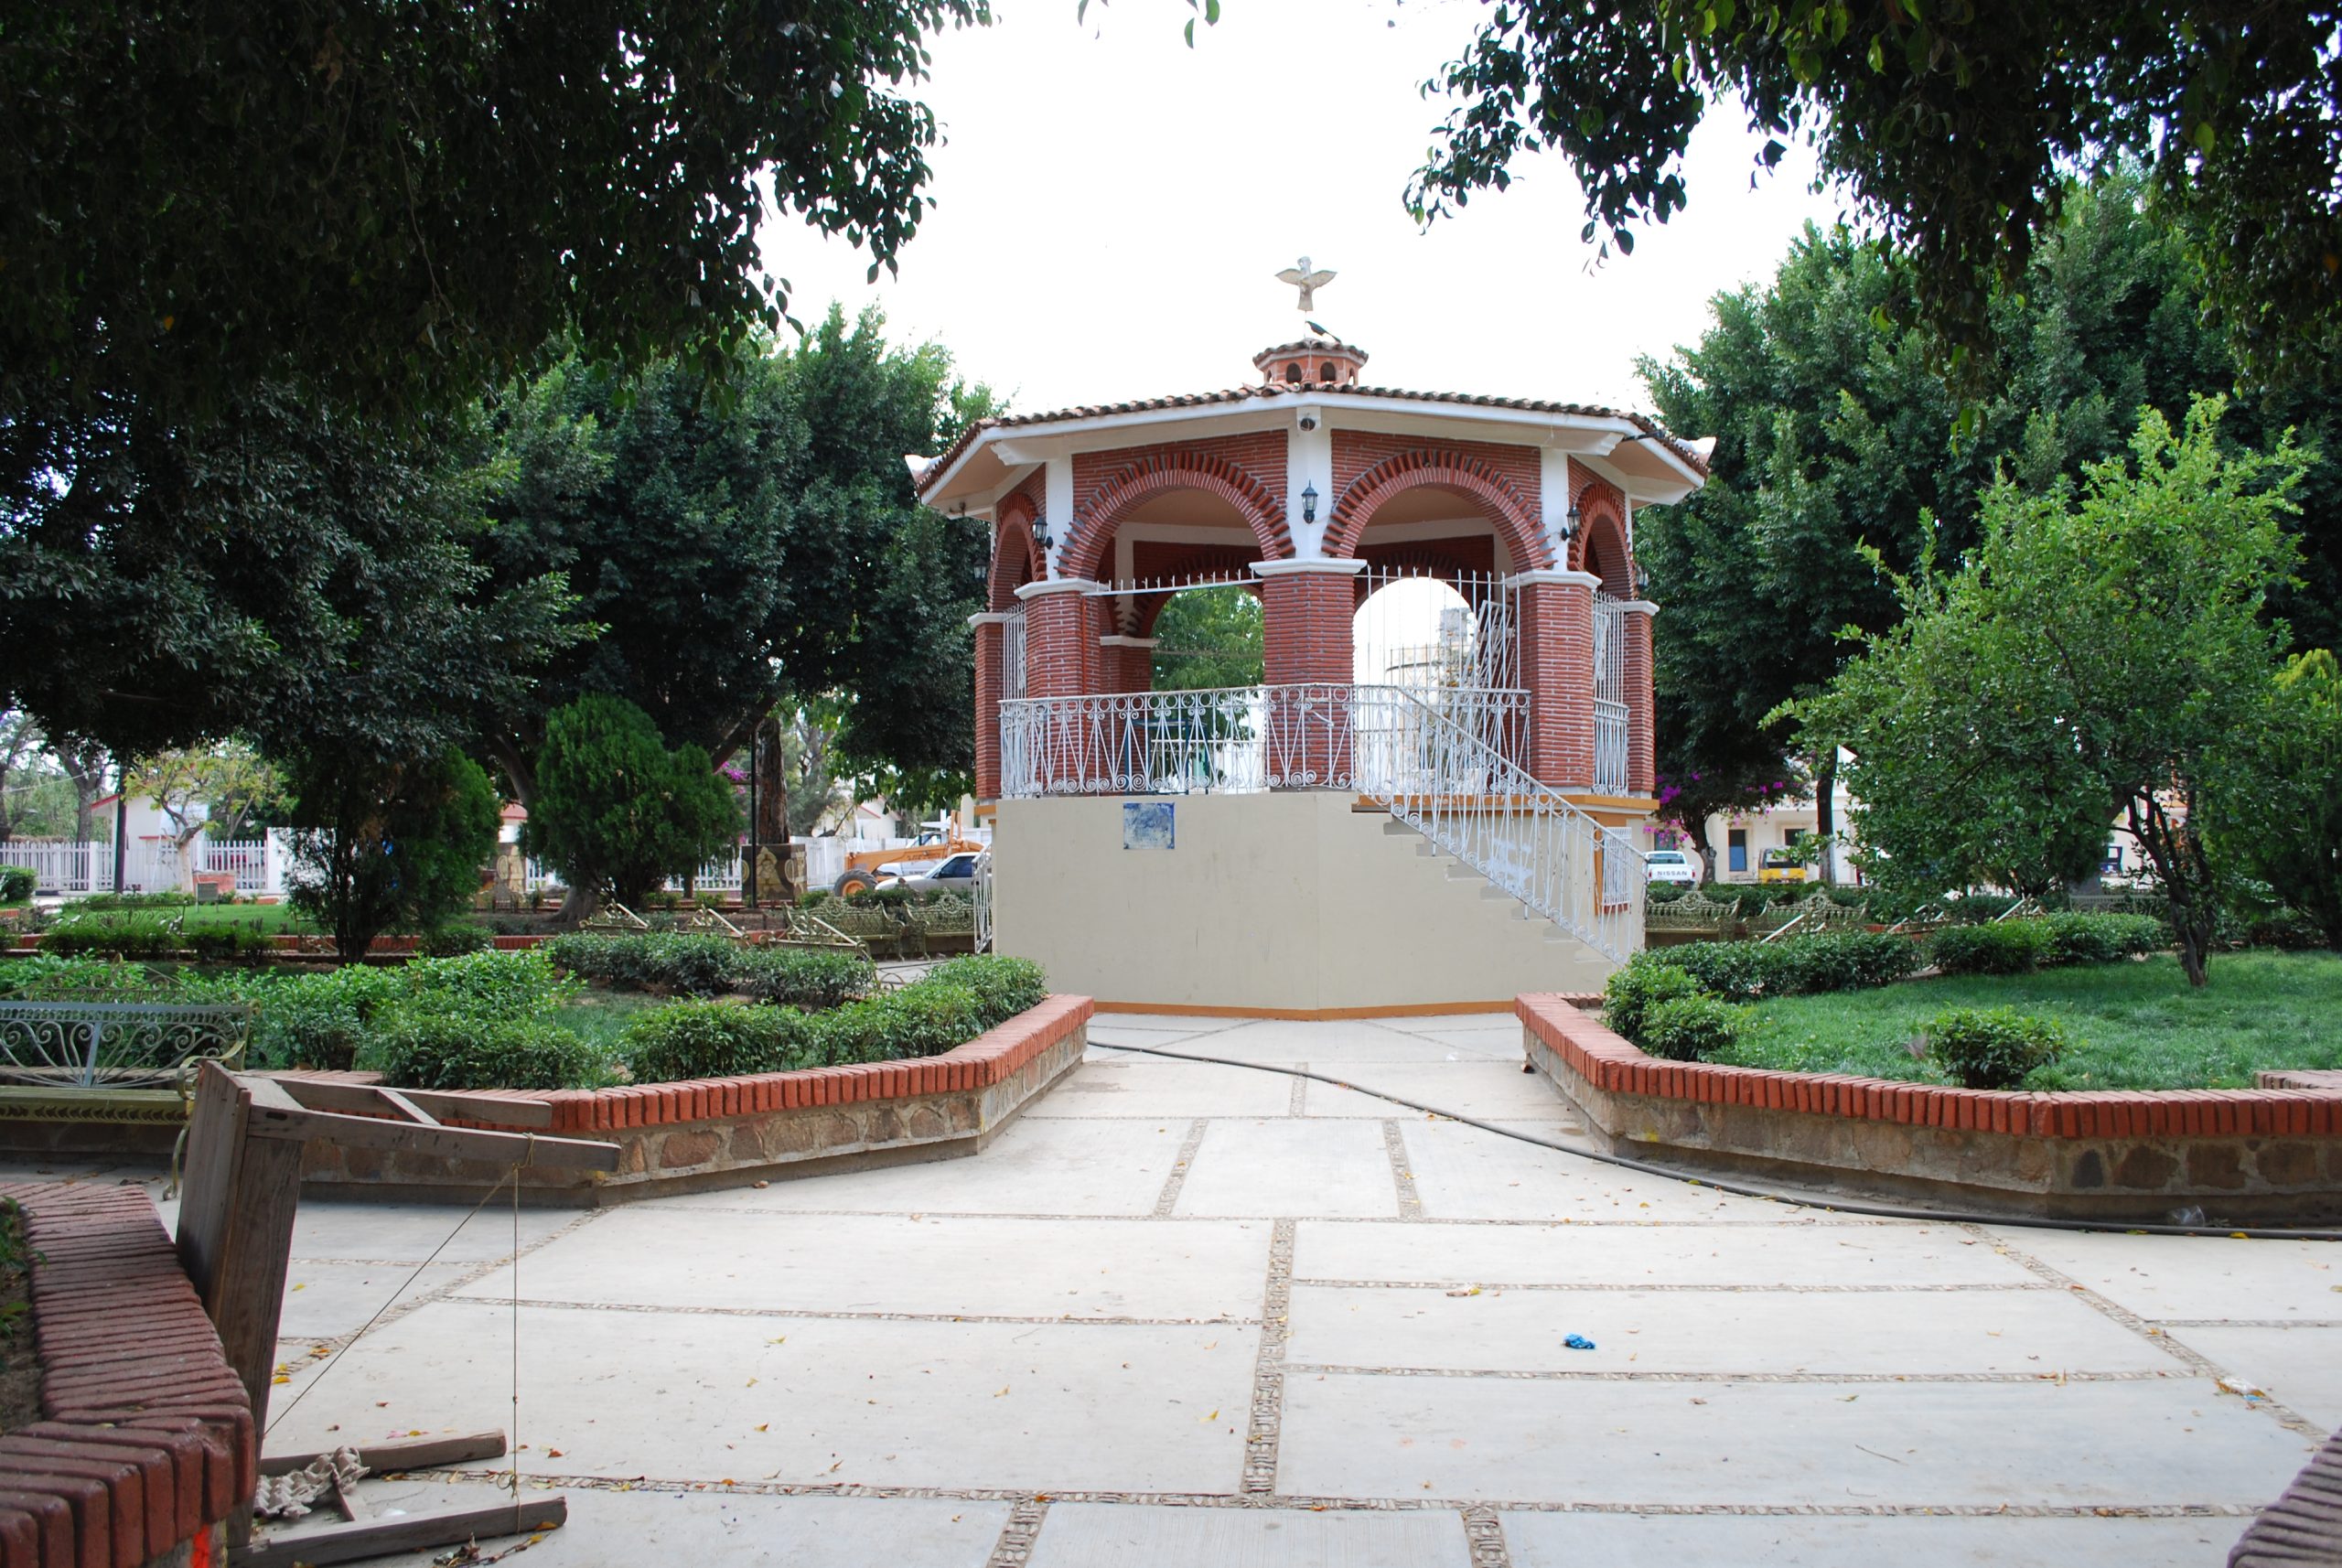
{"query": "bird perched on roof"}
[(1307, 282), (1322, 331)]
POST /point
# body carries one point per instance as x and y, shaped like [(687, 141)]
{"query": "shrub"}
[(2078, 938), (1665, 892), (1992, 1047), (1735, 971), (714, 1039), (498, 987), (454, 939), (1976, 908), (804, 977), (321, 1020), (169, 899), (437, 1051), (1641, 983), (1692, 1028), (132, 936), (2011, 947), (1004, 986), (2285, 929), (1836, 960), (921, 1020), (17, 883), (49, 977)]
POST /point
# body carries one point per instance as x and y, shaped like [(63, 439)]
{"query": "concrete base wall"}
[(1295, 903)]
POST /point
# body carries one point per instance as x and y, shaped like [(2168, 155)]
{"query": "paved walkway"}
[(1183, 1314)]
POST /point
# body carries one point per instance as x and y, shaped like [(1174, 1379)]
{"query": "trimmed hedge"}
[(2015, 947), (1693, 1028), (699, 965), (951, 1005), (440, 1051), (16, 883), (1828, 960)]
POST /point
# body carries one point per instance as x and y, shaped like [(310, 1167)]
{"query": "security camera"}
[(1309, 422)]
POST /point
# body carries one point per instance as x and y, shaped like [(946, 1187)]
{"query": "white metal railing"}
[(1470, 617), (1423, 756), (1011, 655), (980, 897), (1609, 695)]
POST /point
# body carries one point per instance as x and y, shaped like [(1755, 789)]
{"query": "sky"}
[(1112, 209)]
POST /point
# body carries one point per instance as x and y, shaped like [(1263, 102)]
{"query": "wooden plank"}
[(215, 1138), (365, 1098), (275, 1123), (414, 1113), (381, 1538), (403, 1454)]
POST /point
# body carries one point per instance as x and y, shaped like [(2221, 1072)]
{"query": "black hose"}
[(1743, 1190)]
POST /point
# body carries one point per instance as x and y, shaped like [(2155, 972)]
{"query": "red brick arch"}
[(1093, 530), (1514, 518), (1016, 547), (1602, 539)]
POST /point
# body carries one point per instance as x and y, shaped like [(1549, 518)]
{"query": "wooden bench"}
[(112, 1061)]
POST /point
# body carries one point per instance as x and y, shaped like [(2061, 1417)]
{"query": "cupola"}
[(1314, 360)]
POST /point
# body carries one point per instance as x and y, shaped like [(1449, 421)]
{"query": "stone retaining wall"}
[(146, 1443), (2265, 1155), (728, 1131)]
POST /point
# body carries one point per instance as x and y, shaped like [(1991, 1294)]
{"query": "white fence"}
[(1426, 757), (147, 865)]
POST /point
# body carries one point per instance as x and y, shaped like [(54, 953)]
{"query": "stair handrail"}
[(1476, 793)]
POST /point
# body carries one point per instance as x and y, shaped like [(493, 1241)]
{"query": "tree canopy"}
[(1207, 639), (300, 575), (396, 206), (1959, 127), (744, 551), (1836, 434), (2100, 654)]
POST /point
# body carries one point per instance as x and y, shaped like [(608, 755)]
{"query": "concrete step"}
[(1459, 872), (1397, 829)]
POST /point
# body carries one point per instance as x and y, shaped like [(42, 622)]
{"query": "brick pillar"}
[(1306, 612), (990, 634), (1060, 661), (1556, 620), (1641, 705), (1129, 663)]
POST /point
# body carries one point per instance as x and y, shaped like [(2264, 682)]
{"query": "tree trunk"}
[(1825, 812), (1695, 828), (2179, 859), (578, 904)]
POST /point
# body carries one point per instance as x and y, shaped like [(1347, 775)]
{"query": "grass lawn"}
[(2128, 1026)]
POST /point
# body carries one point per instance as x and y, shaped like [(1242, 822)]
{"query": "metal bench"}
[(112, 1061)]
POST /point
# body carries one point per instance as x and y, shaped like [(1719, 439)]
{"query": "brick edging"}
[(989, 1058), (146, 1439), (1611, 1064)]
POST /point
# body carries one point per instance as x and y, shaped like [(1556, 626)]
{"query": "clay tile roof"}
[(1315, 390)]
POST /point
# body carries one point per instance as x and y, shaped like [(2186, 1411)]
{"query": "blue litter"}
[(1578, 1342)]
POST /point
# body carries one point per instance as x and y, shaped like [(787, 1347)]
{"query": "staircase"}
[(1527, 845)]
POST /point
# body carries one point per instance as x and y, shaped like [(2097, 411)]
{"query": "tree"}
[(298, 576), (2096, 656), (207, 789), (615, 810), (2232, 104), (1835, 434), (396, 207), (2282, 821), (747, 551), (398, 843), (1207, 638)]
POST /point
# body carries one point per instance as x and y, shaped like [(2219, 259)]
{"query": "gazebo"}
[(1433, 798)]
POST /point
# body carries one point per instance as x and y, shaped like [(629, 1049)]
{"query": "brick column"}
[(1642, 750), (990, 633), (1061, 650), (1556, 620), (1306, 613), (1129, 663)]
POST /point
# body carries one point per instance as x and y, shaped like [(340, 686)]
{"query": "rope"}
[(1743, 1189), (512, 1176)]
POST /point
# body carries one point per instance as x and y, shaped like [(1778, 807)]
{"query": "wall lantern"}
[(1041, 533), (1642, 578), (1569, 525), (1309, 503)]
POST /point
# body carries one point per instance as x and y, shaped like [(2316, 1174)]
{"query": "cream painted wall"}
[(1291, 900)]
